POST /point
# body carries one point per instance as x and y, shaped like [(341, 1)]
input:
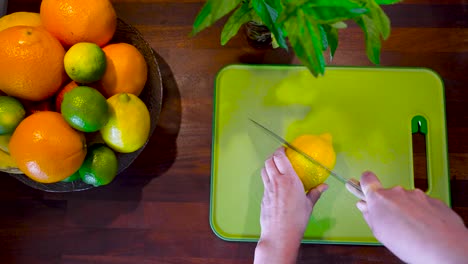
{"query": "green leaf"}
[(339, 25), (274, 43), (344, 4), (211, 12), (276, 4), (238, 18), (323, 36), (304, 35), (372, 36), (269, 16), (378, 16), (381, 20), (326, 11), (255, 18), (332, 37), (347, 4), (330, 14), (387, 2)]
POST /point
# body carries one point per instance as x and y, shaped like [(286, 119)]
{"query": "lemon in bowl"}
[(129, 123)]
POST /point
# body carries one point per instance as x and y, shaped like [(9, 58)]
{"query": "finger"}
[(362, 206), (265, 179), (315, 193), (369, 183), (282, 162), (271, 169), (266, 197)]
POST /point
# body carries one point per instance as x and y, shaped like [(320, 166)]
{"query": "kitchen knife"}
[(352, 185)]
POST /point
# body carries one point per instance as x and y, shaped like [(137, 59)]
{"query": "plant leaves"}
[(381, 20), (276, 4), (387, 2), (211, 12), (326, 11), (274, 43), (323, 36), (332, 38), (339, 25), (372, 36), (305, 39), (328, 14), (241, 16), (269, 16), (378, 16)]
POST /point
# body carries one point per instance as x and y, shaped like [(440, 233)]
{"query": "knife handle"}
[(354, 187)]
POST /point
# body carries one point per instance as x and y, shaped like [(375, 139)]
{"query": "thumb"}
[(369, 183), (314, 194)]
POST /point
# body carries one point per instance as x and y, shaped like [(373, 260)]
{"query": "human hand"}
[(285, 210), (415, 227)]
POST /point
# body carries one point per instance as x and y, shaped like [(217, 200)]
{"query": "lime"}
[(129, 123), (85, 62), (74, 177), (100, 166), (11, 114), (85, 109)]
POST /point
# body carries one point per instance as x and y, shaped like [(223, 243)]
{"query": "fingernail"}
[(323, 188), (360, 206)]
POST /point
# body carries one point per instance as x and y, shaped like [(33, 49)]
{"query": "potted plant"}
[(311, 26)]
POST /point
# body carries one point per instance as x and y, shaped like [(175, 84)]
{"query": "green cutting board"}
[(368, 111)]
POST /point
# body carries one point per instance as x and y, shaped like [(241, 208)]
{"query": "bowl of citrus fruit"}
[(80, 95)]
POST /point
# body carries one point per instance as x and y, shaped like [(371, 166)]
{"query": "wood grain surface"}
[(157, 211)]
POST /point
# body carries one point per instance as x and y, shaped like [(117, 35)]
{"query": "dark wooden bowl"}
[(151, 96)]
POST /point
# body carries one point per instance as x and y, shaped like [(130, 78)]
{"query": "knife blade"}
[(352, 185)]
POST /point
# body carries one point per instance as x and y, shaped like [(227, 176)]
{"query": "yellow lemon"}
[(4, 141), (129, 123), (7, 164), (319, 147), (20, 19)]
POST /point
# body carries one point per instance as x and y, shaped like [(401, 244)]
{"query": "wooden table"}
[(157, 210)]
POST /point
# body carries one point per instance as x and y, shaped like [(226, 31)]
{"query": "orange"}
[(31, 65), (61, 93), (319, 147), (126, 70), (46, 148), (20, 19), (73, 21)]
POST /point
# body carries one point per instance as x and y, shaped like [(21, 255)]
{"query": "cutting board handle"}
[(419, 129)]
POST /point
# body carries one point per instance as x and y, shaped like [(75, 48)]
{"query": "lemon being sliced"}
[(319, 147)]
